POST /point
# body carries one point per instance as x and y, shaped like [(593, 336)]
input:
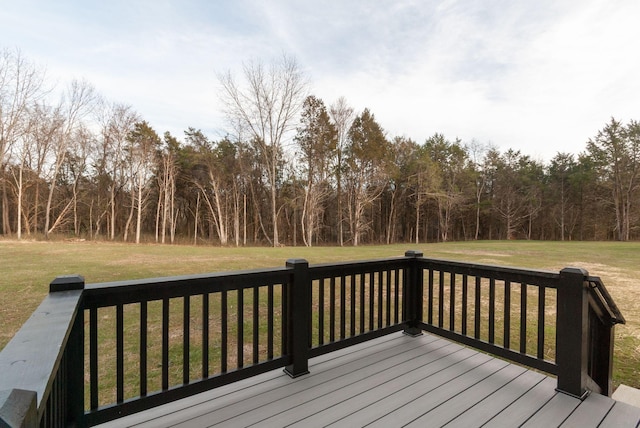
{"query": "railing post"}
[(572, 332), (601, 353), (298, 318), (413, 290), (75, 353)]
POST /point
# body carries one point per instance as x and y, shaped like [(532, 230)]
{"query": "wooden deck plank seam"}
[(397, 380), (352, 395), (503, 397), (431, 399), (421, 386), (375, 352), (465, 399), (250, 384), (359, 373)]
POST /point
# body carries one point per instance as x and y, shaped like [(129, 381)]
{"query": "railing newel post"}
[(413, 301), (75, 352), (299, 318), (572, 332)]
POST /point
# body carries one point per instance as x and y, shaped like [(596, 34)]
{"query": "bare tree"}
[(143, 142), (21, 85), (342, 116), (477, 152), (78, 101), (266, 106), (166, 178), (116, 122)]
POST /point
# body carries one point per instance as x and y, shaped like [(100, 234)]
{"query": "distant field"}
[(26, 268)]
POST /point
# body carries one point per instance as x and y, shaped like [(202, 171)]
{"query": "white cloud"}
[(539, 76)]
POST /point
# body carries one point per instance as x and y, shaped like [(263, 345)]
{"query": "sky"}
[(539, 76)]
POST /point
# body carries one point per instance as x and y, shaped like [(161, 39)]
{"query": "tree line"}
[(292, 171)]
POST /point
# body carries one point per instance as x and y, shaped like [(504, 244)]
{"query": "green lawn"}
[(27, 268)]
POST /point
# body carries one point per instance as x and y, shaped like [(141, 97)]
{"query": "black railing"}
[(148, 342)]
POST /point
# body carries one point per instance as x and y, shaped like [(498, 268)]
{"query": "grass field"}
[(26, 268)]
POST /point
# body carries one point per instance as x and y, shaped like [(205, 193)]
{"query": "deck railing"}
[(94, 353)]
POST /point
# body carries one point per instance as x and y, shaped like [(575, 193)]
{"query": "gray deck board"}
[(457, 405), (554, 412), (392, 381), (323, 382), (594, 408), (492, 404), (326, 387), (525, 406), (356, 398), (356, 386), (391, 402), (431, 399), (622, 415)]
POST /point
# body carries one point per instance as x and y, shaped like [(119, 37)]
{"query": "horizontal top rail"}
[(604, 302), (32, 358), (530, 276), (123, 292), (349, 268)]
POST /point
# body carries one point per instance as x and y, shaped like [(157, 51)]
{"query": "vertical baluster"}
[(352, 322), (507, 315), (476, 315), (362, 301), (372, 280), (205, 336), (119, 353), (343, 306), (256, 326), (380, 297), (388, 299), (93, 358), (270, 322), (523, 318), (492, 310), (430, 298), (143, 347), (332, 309), (465, 297), (396, 303), (284, 304), (240, 330), (223, 331), (440, 299), (541, 301), (165, 343), (321, 311), (452, 301), (186, 339)]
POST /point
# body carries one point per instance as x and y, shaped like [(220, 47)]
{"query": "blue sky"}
[(537, 76)]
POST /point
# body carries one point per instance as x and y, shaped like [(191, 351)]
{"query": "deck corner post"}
[(66, 283), (413, 291), (572, 332), (75, 352), (298, 295)]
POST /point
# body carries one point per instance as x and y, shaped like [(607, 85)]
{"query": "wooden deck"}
[(393, 381)]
